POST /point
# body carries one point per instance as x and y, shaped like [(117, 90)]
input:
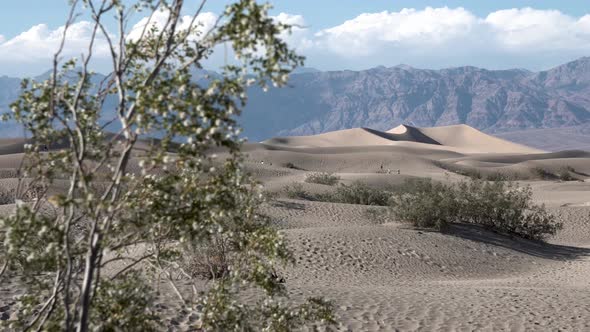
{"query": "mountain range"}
[(494, 101), (490, 100)]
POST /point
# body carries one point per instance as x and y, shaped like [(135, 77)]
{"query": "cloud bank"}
[(429, 37), (438, 37)]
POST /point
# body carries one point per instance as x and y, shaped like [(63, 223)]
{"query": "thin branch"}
[(130, 266)]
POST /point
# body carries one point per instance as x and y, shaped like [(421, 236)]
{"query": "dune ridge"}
[(458, 138)]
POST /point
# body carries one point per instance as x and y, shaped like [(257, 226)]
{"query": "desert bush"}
[(6, 196), (477, 175), (211, 260), (290, 165), (544, 174), (356, 193), (502, 206), (574, 171), (377, 215), (296, 191), (328, 179), (154, 207), (565, 173), (468, 172), (501, 176), (425, 203)]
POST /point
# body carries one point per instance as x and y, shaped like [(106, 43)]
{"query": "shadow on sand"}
[(529, 247)]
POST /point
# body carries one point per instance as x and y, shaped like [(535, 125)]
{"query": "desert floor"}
[(388, 276)]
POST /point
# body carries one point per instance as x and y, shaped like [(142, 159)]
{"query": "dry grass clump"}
[(328, 179)]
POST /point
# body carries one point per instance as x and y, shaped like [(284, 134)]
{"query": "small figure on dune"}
[(262, 162), (398, 171)]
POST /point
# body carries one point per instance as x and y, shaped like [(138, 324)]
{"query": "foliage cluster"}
[(149, 209), (328, 179), (501, 206)]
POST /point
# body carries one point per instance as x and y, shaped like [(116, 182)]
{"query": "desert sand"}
[(388, 276)]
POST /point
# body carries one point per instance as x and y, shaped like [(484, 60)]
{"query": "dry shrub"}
[(209, 261), (328, 179), (296, 191)]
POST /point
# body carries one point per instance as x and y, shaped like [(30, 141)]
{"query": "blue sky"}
[(353, 34)]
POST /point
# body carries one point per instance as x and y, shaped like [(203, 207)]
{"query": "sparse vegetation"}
[(290, 165), (209, 261), (478, 175), (543, 174), (565, 173), (296, 191), (502, 206), (378, 215), (328, 179), (6, 197), (357, 193)]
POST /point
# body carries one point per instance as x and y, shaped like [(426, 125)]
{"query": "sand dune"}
[(386, 276), (459, 138)]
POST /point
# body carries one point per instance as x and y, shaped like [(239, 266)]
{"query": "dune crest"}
[(457, 138)]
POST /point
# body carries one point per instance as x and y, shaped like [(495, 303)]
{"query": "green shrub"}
[(425, 203), (501, 206), (357, 193), (322, 178), (296, 191), (501, 176)]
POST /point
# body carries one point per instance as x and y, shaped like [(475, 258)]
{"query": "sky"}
[(350, 34)]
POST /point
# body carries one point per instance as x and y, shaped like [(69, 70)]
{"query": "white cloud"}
[(445, 36), (203, 23), (40, 43), (429, 37), (368, 33), (299, 37), (521, 29)]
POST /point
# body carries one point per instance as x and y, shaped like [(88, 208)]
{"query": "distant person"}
[(398, 171)]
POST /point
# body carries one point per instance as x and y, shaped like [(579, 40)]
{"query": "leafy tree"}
[(127, 215)]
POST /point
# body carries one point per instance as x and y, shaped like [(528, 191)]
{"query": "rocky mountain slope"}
[(494, 101), (380, 98)]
